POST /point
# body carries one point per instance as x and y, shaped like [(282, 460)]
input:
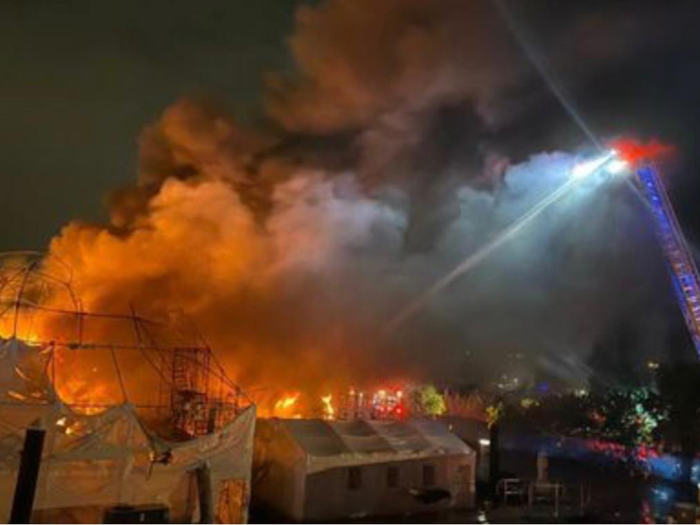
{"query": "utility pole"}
[(27, 476)]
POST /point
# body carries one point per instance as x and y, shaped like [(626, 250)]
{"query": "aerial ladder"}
[(678, 256)]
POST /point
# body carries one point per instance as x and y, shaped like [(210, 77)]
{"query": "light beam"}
[(482, 253)]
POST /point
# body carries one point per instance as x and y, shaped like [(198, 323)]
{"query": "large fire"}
[(86, 380), (381, 402), (94, 363), (57, 349)]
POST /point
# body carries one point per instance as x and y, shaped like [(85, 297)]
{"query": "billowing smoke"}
[(379, 170)]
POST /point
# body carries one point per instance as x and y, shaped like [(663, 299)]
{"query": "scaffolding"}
[(95, 360)]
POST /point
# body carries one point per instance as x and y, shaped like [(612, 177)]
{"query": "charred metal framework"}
[(192, 390), (679, 259), (200, 401)]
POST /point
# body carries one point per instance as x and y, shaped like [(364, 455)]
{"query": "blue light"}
[(679, 261)]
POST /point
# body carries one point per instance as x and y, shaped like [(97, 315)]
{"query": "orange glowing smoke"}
[(248, 290), (68, 347), (87, 395), (265, 292)]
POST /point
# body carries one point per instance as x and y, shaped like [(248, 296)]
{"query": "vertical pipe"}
[(206, 507), (25, 489)]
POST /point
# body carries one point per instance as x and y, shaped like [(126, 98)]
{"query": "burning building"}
[(129, 418), (316, 470)]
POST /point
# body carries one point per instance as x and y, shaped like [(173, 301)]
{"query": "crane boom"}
[(679, 260)]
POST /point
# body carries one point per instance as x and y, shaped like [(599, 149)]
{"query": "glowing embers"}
[(69, 426)]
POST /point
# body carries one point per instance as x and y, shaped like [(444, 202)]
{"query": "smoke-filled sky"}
[(292, 174)]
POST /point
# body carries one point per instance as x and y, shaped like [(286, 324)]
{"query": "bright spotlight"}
[(583, 169), (589, 167), (617, 166)]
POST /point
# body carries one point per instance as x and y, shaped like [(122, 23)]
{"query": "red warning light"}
[(633, 151)]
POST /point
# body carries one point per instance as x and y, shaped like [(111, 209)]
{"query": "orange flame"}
[(328, 410), (285, 407)]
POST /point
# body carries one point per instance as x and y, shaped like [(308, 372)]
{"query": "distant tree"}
[(629, 417), (431, 401)]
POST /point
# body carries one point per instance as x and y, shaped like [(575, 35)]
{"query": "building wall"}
[(473, 432), (278, 472), (332, 494)]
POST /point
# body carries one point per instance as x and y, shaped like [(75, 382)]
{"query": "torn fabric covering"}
[(94, 462)]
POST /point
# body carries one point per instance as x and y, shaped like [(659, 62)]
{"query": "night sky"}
[(80, 80)]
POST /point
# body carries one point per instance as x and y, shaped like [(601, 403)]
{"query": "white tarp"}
[(95, 461), (109, 459), (329, 444), (304, 468)]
